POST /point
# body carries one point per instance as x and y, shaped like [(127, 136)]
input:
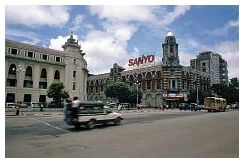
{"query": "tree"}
[(117, 90), (57, 92), (123, 93), (230, 93), (134, 93)]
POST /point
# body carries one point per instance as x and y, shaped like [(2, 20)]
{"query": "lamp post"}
[(19, 69), (137, 94), (197, 100)]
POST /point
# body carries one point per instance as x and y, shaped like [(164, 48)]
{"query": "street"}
[(160, 134)]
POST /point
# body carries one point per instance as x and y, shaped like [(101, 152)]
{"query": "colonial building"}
[(213, 64), (167, 82), (30, 69)]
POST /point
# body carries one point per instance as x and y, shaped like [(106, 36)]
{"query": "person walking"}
[(17, 109)]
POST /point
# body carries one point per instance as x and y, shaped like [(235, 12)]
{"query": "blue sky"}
[(110, 34)]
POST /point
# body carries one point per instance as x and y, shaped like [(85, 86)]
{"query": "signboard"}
[(141, 60)]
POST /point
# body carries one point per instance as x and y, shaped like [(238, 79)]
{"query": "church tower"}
[(75, 69), (170, 51)]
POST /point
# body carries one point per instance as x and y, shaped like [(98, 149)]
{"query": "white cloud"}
[(77, 22), (223, 30), (34, 16), (27, 36), (123, 13), (104, 48), (176, 13), (56, 43), (119, 23), (230, 52)]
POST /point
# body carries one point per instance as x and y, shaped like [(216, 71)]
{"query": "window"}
[(171, 48), (14, 51), (173, 84), (74, 74), (57, 59), (10, 97), (74, 86), (30, 54), (44, 57), (172, 72), (44, 73), (74, 61), (57, 75), (158, 84)]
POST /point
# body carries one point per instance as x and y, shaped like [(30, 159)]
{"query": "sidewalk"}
[(11, 114)]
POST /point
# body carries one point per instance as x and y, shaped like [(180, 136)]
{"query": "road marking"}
[(49, 125)]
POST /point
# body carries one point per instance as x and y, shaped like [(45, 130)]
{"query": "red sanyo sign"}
[(141, 60)]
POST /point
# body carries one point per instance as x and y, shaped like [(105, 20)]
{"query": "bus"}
[(214, 104)]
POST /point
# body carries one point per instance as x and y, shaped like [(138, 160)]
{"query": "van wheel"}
[(91, 124), (117, 121), (209, 110)]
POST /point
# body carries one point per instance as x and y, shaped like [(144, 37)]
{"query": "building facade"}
[(29, 70), (213, 64), (167, 82)]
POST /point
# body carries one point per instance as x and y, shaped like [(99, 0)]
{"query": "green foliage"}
[(230, 93), (201, 96), (132, 96), (123, 92), (57, 92)]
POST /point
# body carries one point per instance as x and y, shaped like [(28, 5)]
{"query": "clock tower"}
[(170, 51)]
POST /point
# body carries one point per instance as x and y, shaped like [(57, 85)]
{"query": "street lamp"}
[(197, 100), (18, 71)]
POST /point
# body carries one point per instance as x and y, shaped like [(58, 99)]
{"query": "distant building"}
[(213, 64), (30, 69)]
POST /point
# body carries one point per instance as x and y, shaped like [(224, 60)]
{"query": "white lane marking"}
[(49, 125)]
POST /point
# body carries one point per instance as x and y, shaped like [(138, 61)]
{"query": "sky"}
[(114, 34)]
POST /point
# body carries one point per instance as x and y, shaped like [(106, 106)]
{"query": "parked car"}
[(184, 106), (9, 105), (235, 105), (112, 105), (195, 107)]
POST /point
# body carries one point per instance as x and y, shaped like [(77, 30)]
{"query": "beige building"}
[(30, 69)]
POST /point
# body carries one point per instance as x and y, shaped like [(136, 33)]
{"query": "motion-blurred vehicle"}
[(90, 114)]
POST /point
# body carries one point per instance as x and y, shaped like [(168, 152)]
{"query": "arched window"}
[(11, 80), (12, 69), (124, 79), (159, 79), (131, 80), (28, 71), (149, 80), (44, 73), (43, 79), (57, 75), (28, 78)]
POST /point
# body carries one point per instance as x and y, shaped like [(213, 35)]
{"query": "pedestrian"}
[(76, 103), (17, 109), (119, 107)]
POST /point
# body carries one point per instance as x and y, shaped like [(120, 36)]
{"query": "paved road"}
[(161, 134)]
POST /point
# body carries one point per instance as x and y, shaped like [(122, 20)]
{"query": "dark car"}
[(195, 107), (184, 106)]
